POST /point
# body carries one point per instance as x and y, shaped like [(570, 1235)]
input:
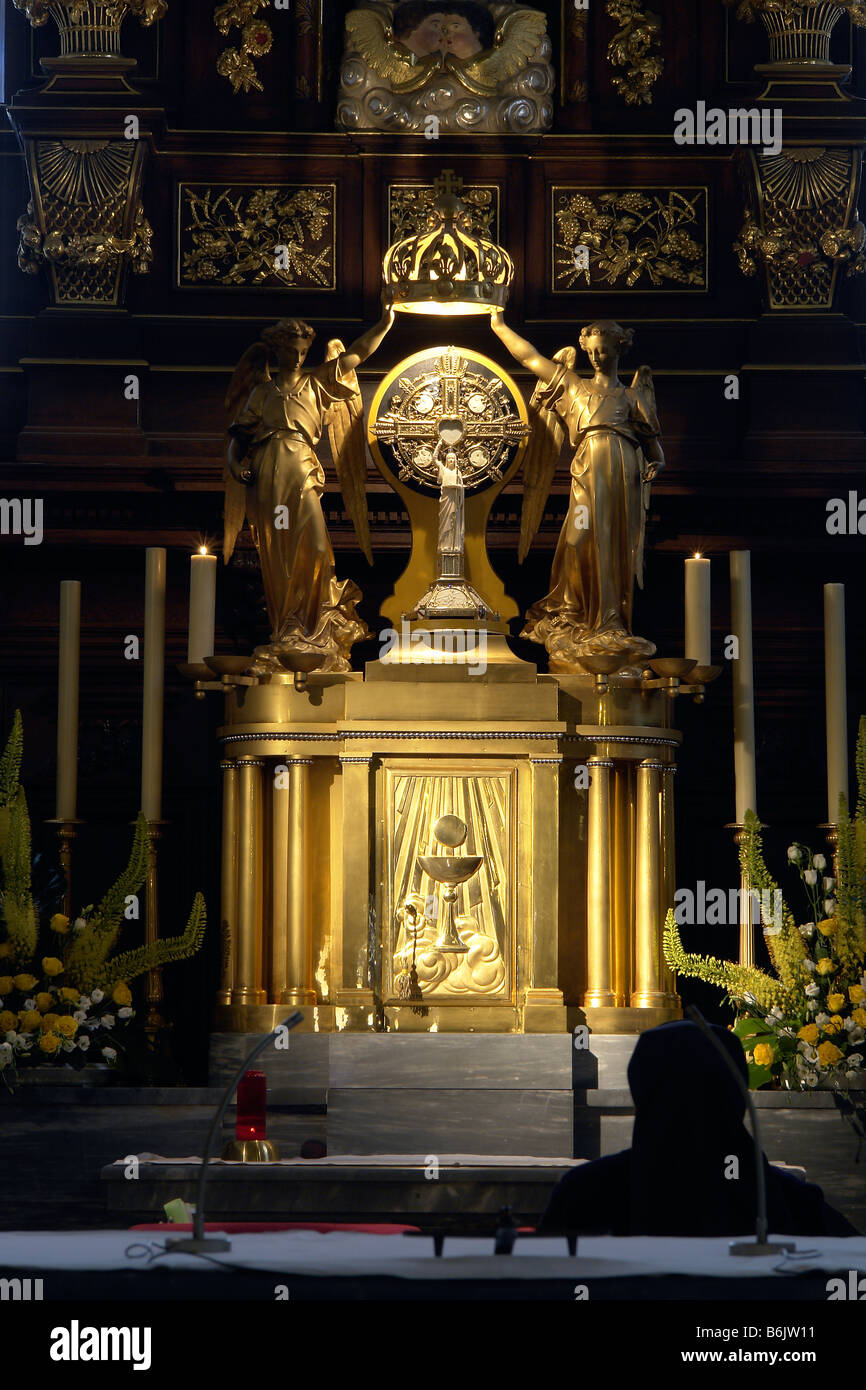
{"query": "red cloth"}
[(253, 1227)]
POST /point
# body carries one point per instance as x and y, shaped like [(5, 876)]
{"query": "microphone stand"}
[(198, 1243), (760, 1245)]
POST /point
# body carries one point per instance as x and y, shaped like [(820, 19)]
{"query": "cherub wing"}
[(542, 454), (371, 36), (518, 37), (345, 421), (252, 368)]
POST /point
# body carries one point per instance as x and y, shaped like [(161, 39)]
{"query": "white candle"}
[(202, 603), (744, 684), (836, 697), (67, 699), (698, 629), (154, 678)]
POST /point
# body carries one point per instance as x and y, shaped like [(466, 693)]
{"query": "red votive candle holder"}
[(252, 1103)]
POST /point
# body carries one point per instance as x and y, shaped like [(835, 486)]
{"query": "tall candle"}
[(67, 698), (836, 698), (154, 677), (698, 630), (202, 602), (744, 684)]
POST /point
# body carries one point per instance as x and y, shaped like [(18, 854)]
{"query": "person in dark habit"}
[(677, 1177)]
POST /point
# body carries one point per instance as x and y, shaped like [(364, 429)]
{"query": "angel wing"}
[(545, 444), (252, 368), (345, 420), (642, 381), (372, 37), (518, 37)]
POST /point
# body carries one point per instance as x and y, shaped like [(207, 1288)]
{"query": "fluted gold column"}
[(539, 956), (669, 868), (648, 991), (599, 991), (299, 918), (229, 921), (247, 987), (622, 866), (281, 800), (354, 986)]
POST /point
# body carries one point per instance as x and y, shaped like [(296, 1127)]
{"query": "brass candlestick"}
[(66, 830), (831, 835), (747, 935)]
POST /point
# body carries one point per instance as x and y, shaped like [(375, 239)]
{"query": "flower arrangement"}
[(64, 997), (806, 1025)]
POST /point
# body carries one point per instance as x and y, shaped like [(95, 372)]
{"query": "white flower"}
[(84, 1002), (812, 1005), (812, 990), (794, 853), (11, 1035), (749, 998), (5, 1054), (23, 1042), (819, 862), (125, 1013), (83, 1043), (776, 1012), (79, 1015), (30, 1004), (811, 876), (854, 1059), (109, 1054), (807, 930), (810, 1053), (829, 906), (810, 1079), (857, 1035), (849, 1024), (829, 883), (107, 1020), (821, 1019), (97, 996), (79, 924), (68, 1044)]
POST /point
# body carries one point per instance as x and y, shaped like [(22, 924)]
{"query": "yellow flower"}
[(856, 994), (827, 927), (828, 1053), (50, 1022), (830, 1028), (23, 982), (121, 995), (71, 996), (859, 1017), (7, 984), (825, 966), (808, 1033), (44, 1001), (31, 1019), (8, 1021), (59, 923), (49, 1042), (835, 1002), (52, 966), (5, 950), (66, 1026), (764, 1055)]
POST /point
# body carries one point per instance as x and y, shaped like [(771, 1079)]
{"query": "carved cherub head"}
[(467, 28), (604, 342), (418, 26)]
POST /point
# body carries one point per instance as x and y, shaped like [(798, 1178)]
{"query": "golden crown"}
[(447, 268)]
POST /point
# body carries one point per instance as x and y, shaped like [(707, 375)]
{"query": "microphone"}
[(760, 1245), (198, 1243)]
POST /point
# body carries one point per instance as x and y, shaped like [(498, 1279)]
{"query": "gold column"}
[(298, 988), (354, 985), (539, 983), (747, 926), (648, 989), (622, 852), (229, 881), (281, 800), (247, 987), (599, 991), (669, 868)]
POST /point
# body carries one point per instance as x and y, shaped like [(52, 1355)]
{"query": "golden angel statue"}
[(613, 431), (278, 409), (461, 64)]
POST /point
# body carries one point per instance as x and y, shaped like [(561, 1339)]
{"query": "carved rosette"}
[(801, 225), (84, 222)]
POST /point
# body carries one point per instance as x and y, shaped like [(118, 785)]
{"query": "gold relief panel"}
[(411, 204), (649, 239), (414, 907), (242, 236)]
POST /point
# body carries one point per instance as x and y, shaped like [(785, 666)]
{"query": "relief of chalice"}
[(450, 870)]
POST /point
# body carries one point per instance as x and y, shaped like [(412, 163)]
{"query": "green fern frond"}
[(736, 980), (10, 762), (129, 964), (19, 910), (787, 948), (92, 946), (860, 765)]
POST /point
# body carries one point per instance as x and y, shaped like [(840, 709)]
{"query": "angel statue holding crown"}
[(613, 432), (278, 409)]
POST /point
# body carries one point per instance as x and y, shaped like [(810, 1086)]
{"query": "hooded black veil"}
[(689, 1140)]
